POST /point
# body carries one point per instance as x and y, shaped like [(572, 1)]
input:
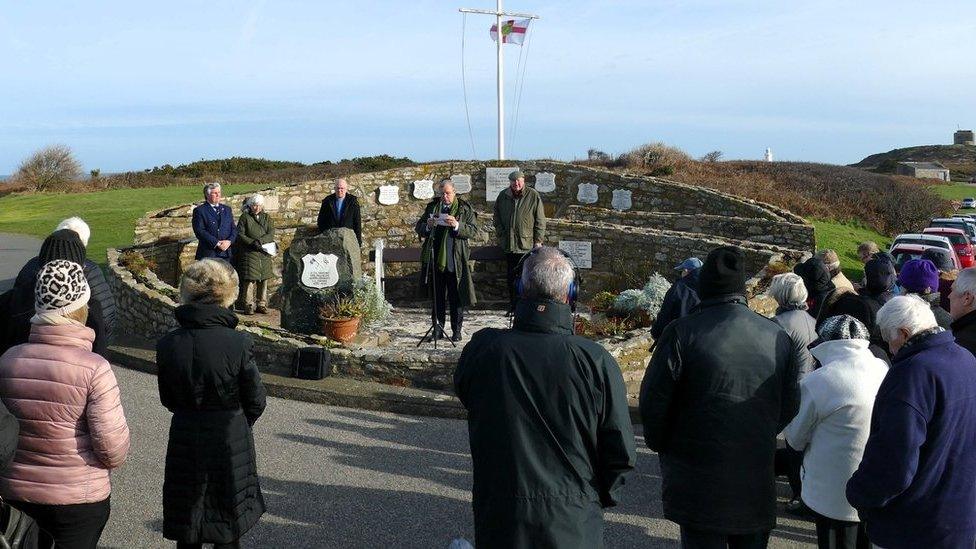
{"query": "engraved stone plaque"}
[(423, 189), (496, 181), (621, 200), (581, 252), (319, 270), (462, 183), (389, 195), (545, 182), (587, 193)]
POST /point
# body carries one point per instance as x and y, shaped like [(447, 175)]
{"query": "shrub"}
[(657, 157), (136, 263), (375, 307), (713, 156), (53, 168)]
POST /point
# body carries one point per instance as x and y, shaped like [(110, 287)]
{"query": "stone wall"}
[(798, 236)]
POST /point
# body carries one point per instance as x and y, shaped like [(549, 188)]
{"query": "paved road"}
[(15, 250), (337, 477)]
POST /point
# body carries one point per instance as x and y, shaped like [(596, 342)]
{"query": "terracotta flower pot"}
[(340, 329)]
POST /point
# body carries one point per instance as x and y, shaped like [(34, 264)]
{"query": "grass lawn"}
[(844, 238), (111, 214), (954, 191)]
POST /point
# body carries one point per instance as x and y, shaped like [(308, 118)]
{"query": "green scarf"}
[(442, 251)]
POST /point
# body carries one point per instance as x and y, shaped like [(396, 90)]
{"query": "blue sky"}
[(130, 85)]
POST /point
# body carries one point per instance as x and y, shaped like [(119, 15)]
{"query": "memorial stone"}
[(545, 182), (300, 302), (496, 181), (423, 189), (389, 195), (587, 193), (621, 200), (462, 183), (580, 251)]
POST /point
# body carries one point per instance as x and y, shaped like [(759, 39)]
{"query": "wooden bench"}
[(412, 255)]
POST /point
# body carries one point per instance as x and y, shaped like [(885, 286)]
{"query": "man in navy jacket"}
[(213, 225), (916, 485)]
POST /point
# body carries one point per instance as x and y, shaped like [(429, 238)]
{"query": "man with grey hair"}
[(550, 433), (341, 209), (962, 309), (213, 225), (916, 483)]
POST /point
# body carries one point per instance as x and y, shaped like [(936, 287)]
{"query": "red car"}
[(904, 252), (960, 243)]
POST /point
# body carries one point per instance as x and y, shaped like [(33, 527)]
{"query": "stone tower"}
[(964, 137)]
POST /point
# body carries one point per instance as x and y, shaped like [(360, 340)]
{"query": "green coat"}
[(467, 228), (252, 232), (519, 224)]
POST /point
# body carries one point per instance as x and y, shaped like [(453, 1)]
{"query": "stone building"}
[(964, 137), (931, 170)]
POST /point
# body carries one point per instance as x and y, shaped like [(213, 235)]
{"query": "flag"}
[(513, 31)]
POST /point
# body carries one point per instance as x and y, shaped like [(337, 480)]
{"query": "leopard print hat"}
[(61, 288)]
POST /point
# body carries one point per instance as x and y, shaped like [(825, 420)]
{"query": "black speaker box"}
[(311, 362)]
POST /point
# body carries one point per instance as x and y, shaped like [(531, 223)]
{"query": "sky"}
[(132, 85)]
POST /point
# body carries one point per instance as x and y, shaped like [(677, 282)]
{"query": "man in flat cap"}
[(520, 226)]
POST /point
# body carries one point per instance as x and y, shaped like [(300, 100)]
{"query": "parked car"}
[(960, 243), (923, 239), (969, 203), (904, 252), (956, 223)]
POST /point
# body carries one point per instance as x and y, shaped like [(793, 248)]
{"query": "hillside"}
[(960, 159)]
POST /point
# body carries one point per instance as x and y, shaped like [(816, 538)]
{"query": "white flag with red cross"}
[(513, 31)]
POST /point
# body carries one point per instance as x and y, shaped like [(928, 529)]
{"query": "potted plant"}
[(340, 317)]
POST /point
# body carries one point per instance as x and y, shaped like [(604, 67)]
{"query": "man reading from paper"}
[(446, 225)]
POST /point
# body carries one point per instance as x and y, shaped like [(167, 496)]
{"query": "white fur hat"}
[(77, 225)]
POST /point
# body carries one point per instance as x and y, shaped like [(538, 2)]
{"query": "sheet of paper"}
[(270, 248)]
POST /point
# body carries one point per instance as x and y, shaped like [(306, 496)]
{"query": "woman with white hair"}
[(209, 381), (791, 297), (916, 484), (832, 426), (254, 230)]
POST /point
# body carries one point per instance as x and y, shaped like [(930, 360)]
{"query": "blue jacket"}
[(680, 299), (916, 485), (210, 227)]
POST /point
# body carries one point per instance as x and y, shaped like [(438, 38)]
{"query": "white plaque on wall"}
[(587, 193), (319, 270), (423, 189), (581, 251), (389, 195), (621, 200), (545, 182), (462, 183), (496, 181)]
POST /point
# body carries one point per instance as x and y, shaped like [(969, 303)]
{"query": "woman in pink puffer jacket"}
[(72, 427)]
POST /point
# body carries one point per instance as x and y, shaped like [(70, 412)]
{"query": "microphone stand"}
[(436, 330)]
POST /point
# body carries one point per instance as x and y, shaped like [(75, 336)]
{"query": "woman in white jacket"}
[(832, 427)]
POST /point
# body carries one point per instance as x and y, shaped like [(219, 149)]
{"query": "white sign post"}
[(462, 183), (423, 189), (580, 251), (621, 200), (389, 195), (587, 193), (319, 270), (545, 182), (496, 181)]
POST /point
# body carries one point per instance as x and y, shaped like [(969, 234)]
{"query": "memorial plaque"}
[(587, 193), (389, 195), (545, 182), (462, 183), (581, 252), (319, 270), (621, 200), (423, 189), (496, 181)]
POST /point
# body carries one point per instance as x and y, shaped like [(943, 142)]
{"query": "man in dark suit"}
[(213, 225), (341, 209)]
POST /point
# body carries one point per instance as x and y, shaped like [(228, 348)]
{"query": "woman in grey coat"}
[(791, 297)]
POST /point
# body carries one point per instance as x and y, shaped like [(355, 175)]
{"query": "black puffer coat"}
[(721, 384), (101, 307), (208, 379), (550, 432)]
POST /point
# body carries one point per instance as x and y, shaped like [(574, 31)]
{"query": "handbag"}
[(17, 529)]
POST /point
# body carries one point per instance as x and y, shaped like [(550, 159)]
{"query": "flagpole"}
[(500, 81)]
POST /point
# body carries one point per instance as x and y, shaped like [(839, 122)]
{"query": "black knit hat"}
[(63, 244), (724, 272)]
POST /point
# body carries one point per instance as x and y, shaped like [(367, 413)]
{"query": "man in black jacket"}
[(681, 297), (550, 433), (962, 308), (721, 385), (341, 209)]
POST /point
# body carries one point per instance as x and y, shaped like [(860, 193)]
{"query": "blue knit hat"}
[(919, 276)]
